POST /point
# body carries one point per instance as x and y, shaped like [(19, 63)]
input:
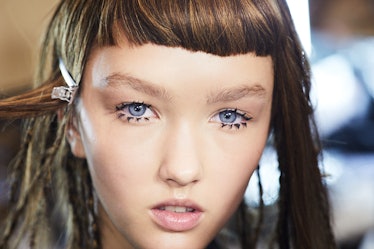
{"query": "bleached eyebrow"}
[(118, 79), (233, 94), (150, 89)]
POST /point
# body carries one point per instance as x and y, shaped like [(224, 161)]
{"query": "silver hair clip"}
[(63, 92)]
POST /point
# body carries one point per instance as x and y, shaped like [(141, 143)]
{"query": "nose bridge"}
[(181, 164)]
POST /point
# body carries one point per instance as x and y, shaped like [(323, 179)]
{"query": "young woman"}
[(148, 120)]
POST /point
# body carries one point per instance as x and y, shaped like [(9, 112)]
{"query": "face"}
[(171, 138)]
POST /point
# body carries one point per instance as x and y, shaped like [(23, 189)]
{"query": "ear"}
[(74, 137)]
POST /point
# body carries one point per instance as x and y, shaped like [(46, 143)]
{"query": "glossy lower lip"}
[(176, 222)]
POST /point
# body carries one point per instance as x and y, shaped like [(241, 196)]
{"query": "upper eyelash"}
[(125, 104), (240, 113)]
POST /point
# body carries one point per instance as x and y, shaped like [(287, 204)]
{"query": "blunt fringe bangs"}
[(218, 27), (210, 26)]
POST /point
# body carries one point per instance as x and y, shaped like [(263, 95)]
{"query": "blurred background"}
[(343, 67), (338, 36)]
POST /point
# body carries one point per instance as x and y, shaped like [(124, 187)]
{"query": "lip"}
[(177, 215)]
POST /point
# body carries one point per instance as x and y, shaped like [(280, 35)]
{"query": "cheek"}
[(115, 159), (238, 155), (235, 160), (119, 157), (237, 168), (229, 173)]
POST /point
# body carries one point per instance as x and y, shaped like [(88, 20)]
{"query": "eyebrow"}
[(236, 93), (143, 86)]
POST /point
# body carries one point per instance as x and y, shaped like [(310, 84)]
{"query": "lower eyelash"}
[(133, 119), (240, 124), (237, 126)]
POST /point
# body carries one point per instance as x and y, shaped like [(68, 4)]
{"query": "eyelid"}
[(243, 114), (126, 104)]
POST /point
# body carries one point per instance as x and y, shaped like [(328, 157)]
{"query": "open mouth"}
[(177, 216)]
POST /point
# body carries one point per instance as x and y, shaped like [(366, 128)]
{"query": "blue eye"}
[(228, 116), (231, 118), (135, 111)]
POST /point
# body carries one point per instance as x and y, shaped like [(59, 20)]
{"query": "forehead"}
[(169, 73)]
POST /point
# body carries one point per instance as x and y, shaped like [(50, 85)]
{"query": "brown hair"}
[(48, 181)]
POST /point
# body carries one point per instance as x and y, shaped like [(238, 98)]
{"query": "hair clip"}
[(63, 92)]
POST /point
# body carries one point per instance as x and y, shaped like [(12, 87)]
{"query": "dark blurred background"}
[(340, 42)]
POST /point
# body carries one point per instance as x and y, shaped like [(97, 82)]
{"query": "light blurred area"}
[(339, 37), (22, 23)]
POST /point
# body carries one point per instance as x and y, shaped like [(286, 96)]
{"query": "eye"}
[(135, 111), (231, 118)]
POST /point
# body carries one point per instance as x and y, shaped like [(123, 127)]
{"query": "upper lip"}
[(179, 203)]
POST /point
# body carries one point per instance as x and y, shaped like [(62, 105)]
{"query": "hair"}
[(48, 181)]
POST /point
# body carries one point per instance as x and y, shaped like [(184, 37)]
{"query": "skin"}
[(178, 149)]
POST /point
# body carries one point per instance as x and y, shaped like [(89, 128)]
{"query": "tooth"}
[(180, 209), (169, 208), (177, 209)]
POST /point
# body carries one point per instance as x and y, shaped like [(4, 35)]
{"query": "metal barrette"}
[(63, 92)]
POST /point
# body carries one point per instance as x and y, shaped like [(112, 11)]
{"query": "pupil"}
[(137, 109), (227, 116)]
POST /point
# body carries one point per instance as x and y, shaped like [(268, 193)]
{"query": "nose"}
[(181, 164)]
